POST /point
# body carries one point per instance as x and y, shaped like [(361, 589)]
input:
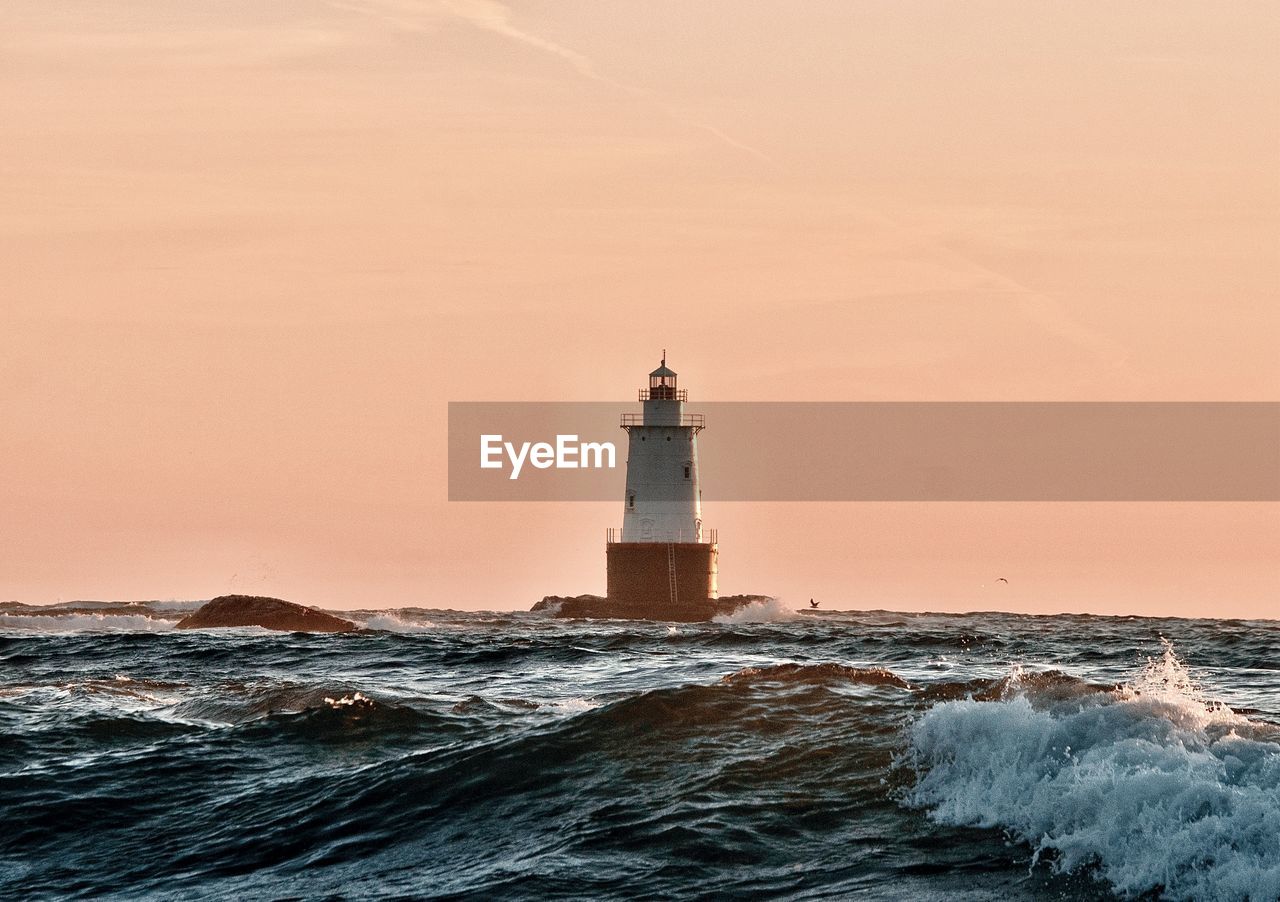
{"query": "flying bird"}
[(1001, 579), (812, 603)]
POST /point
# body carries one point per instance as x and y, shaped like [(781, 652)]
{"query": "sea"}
[(772, 754)]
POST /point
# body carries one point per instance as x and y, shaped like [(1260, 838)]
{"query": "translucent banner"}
[(926, 451)]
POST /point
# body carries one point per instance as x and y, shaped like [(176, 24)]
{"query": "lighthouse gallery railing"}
[(614, 536), (686, 419)]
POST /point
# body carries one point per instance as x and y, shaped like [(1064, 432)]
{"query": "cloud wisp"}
[(495, 17)]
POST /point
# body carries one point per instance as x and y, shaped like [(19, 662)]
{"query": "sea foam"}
[(76, 623), (767, 611), (392, 624), (1151, 785)]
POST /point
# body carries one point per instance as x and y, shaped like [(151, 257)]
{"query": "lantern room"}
[(662, 384)]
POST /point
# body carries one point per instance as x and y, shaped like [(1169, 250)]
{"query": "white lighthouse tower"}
[(663, 501), (664, 556)]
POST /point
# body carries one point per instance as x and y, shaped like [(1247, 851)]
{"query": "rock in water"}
[(598, 607), (270, 613)]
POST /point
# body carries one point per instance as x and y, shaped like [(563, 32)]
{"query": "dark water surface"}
[(881, 755)]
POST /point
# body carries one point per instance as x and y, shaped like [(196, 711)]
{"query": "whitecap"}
[(76, 623), (573, 705), (767, 611), (1153, 786), (356, 699), (393, 624)]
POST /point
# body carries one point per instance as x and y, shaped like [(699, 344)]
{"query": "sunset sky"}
[(250, 250)]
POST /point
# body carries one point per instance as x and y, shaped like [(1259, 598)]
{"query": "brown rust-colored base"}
[(641, 572), (641, 585)]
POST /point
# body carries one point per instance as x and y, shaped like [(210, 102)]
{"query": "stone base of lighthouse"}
[(674, 581), (661, 574)]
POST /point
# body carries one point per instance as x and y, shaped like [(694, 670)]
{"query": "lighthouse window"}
[(686, 471), (668, 438), (631, 500)]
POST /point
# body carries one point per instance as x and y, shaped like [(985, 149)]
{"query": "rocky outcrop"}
[(269, 613), (97, 608), (598, 607)]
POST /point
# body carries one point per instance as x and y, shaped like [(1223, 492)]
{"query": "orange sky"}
[(248, 251)]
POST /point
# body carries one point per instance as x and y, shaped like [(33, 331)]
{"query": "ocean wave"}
[(1152, 786), (816, 674), (1042, 685), (312, 713), (390, 623), (233, 702), (77, 623), (753, 760), (770, 610)]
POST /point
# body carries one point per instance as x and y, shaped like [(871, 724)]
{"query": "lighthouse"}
[(663, 557), (663, 564)]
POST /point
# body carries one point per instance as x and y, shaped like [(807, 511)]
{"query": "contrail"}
[(1037, 306), (489, 15), (495, 17), (1047, 312)]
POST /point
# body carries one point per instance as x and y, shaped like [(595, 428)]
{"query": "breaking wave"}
[(392, 624), (75, 623), (771, 610), (507, 755), (1152, 786)]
